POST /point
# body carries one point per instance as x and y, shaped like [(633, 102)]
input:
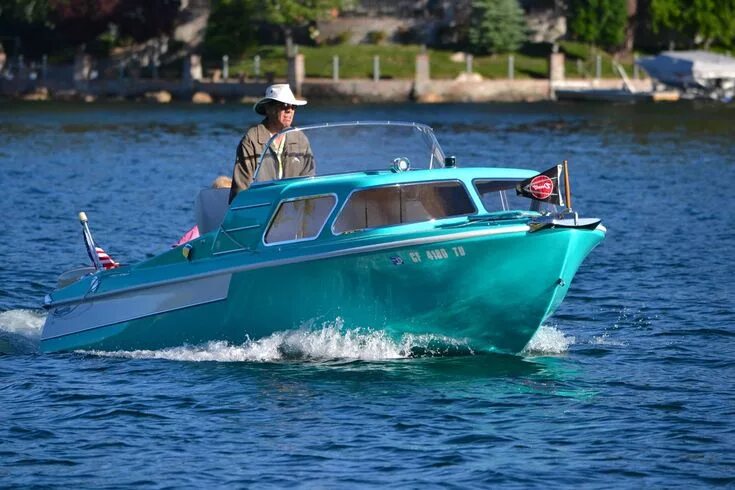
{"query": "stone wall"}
[(482, 91), (433, 91), (359, 90)]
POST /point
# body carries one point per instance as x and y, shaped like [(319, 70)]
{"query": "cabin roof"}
[(348, 182)]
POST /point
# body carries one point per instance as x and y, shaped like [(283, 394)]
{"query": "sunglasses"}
[(283, 106)]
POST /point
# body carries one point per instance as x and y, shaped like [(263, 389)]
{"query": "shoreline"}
[(463, 89)]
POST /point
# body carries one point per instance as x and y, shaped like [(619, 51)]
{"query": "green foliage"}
[(293, 13), (25, 27), (341, 38), (230, 29), (581, 61), (497, 26), (706, 21), (399, 62), (396, 62), (37, 27), (376, 37), (26, 11), (290, 14), (598, 22), (142, 19)]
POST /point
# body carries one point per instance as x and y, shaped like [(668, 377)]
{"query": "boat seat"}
[(210, 207)]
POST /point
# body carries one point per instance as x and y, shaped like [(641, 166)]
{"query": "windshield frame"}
[(437, 154)]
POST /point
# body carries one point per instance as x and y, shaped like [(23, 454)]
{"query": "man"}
[(288, 155)]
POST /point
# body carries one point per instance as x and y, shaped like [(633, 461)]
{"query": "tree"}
[(54, 26), (598, 22), (28, 11), (229, 31), (632, 11), (24, 28), (81, 21), (496, 26), (145, 19), (289, 14), (700, 21)]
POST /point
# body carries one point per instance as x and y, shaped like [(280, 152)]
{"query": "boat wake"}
[(331, 342), (20, 331), (334, 342)]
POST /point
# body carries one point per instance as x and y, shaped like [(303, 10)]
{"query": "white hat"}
[(280, 92)]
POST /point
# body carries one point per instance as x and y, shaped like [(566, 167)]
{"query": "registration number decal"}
[(436, 254)]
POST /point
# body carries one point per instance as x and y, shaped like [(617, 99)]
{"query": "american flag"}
[(106, 261)]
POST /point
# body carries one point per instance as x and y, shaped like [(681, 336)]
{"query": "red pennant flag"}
[(543, 187)]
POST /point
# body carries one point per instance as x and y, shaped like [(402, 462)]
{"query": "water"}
[(630, 384)]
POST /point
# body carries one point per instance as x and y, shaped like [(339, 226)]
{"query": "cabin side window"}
[(500, 195), (401, 204), (300, 219)]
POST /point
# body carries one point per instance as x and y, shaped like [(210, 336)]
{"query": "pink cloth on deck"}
[(189, 235)]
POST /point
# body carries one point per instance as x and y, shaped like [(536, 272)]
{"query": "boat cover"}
[(691, 69)]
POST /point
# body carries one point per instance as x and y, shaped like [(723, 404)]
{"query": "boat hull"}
[(490, 287)]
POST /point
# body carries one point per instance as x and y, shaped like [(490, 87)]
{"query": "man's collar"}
[(263, 134)]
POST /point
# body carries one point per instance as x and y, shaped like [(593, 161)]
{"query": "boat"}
[(627, 92), (602, 95), (698, 74), (389, 234)]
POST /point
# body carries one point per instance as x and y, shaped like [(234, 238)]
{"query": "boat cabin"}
[(358, 204)]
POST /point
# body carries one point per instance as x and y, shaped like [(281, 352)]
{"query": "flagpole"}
[(567, 190), (89, 242)]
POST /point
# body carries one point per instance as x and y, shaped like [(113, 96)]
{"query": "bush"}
[(341, 38), (376, 37), (497, 26)]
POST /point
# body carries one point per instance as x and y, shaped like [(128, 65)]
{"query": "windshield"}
[(501, 195), (334, 148)]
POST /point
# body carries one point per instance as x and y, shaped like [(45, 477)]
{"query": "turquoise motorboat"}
[(389, 234)]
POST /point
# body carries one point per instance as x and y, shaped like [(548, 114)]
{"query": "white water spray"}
[(25, 323), (331, 342), (548, 340)]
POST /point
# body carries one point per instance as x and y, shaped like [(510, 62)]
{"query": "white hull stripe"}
[(95, 313)]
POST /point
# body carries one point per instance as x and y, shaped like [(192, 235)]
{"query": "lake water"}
[(630, 384)]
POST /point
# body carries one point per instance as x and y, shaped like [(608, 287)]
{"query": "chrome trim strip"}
[(241, 228), (250, 206), (234, 250), (221, 230), (305, 258)]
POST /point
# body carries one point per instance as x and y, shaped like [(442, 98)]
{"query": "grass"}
[(399, 61), (581, 61)]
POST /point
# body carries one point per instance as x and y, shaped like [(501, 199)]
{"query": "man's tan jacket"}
[(293, 159)]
